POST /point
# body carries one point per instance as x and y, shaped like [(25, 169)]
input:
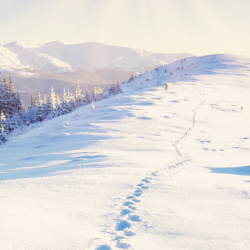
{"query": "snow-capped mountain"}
[(32, 59), (60, 57), (151, 169), (93, 56)]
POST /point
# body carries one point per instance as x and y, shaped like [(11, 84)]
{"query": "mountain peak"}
[(55, 43), (22, 43)]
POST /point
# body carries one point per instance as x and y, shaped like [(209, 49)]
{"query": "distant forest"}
[(14, 115)]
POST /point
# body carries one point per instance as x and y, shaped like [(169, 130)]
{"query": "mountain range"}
[(35, 68)]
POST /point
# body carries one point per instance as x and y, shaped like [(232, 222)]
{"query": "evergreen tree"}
[(40, 101), (99, 95), (94, 97), (4, 122), (2, 133), (87, 99), (51, 108), (11, 86), (78, 95), (10, 101), (40, 109)]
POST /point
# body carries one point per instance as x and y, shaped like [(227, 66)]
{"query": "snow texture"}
[(153, 169)]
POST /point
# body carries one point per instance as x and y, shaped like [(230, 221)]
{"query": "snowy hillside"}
[(151, 169)]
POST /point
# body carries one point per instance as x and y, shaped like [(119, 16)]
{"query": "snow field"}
[(104, 180)]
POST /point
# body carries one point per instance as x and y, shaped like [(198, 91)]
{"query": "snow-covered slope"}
[(9, 60), (152, 169)]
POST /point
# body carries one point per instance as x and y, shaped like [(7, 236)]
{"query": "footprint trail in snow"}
[(128, 217)]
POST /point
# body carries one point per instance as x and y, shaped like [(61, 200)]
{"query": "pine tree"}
[(51, 108), (5, 83), (99, 95), (94, 97), (11, 86), (3, 121), (87, 97), (40, 109), (2, 133), (2, 117), (78, 95), (40, 101)]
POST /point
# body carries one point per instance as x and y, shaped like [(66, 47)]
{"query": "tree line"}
[(14, 115)]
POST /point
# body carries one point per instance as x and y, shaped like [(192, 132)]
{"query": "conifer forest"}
[(14, 115)]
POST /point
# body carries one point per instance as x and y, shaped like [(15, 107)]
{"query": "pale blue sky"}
[(195, 26)]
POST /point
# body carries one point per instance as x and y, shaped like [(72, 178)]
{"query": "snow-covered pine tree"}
[(10, 102), (112, 90), (40, 109), (78, 95), (118, 89), (2, 117), (115, 89), (94, 96), (4, 122), (71, 102), (64, 103), (11, 86), (2, 134), (51, 108), (99, 95), (87, 98)]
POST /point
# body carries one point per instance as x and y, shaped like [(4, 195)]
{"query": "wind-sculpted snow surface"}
[(152, 169)]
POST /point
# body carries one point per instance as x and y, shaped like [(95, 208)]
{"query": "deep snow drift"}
[(151, 169)]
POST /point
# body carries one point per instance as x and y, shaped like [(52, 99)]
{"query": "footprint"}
[(146, 180), (132, 207), (120, 226), (144, 187), (139, 185), (138, 190), (122, 245), (125, 212), (127, 203), (128, 233), (135, 200), (118, 238), (130, 197), (137, 194), (103, 247), (134, 218)]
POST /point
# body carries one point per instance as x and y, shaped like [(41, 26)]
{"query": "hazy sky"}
[(196, 26)]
